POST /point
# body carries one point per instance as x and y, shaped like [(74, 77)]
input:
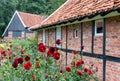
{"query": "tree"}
[(41, 7)]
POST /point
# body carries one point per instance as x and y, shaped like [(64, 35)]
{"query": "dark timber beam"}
[(93, 30), (66, 43), (104, 49), (98, 56)]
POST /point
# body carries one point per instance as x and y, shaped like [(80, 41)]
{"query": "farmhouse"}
[(19, 24), (94, 24)]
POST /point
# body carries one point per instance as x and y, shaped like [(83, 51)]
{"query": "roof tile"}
[(76, 8), (30, 19)]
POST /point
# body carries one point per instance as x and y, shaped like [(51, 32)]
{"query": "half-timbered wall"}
[(102, 51)]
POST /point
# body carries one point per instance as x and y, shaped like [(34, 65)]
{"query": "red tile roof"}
[(79, 8), (30, 19)]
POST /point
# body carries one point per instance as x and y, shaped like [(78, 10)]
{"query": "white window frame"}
[(98, 34), (75, 35), (58, 35), (43, 36)]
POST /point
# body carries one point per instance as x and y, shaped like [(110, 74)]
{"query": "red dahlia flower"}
[(82, 62), (37, 65), (27, 65), (68, 69), (27, 58), (75, 52), (85, 69), (78, 63), (20, 60), (41, 47), (89, 72), (79, 73), (58, 41), (33, 77), (61, 71), (82, 47), (46, 76), (56, 55), (49, 54), (15, 63), (52, 50)]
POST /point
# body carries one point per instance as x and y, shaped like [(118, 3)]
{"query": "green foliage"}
[(42, 7)]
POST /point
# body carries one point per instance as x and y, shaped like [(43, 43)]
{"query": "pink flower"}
[(10, 52)]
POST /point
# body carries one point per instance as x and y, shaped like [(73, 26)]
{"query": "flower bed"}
[(23, 60)]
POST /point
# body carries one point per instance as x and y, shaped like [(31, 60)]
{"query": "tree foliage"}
[(41, 7)]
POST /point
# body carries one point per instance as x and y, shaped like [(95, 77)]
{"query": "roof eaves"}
[(79, 18)]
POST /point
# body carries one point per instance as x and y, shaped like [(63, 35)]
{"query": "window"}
[(58, 35), (99, 27), (44, 40), (75, 33), (16, 33)]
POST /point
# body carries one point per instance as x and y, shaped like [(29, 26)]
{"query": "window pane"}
[(99, 29)]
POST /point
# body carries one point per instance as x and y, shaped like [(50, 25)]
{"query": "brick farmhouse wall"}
[(112, 45), (23, 35)]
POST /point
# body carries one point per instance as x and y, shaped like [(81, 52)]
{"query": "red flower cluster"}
[(88, 71), (78, 63), (27, 65), (68, 69), (58, 41), (51, 51), (3, 53), (17, 61), (41, 47)]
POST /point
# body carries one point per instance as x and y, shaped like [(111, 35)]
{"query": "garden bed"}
[(27, 61)]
